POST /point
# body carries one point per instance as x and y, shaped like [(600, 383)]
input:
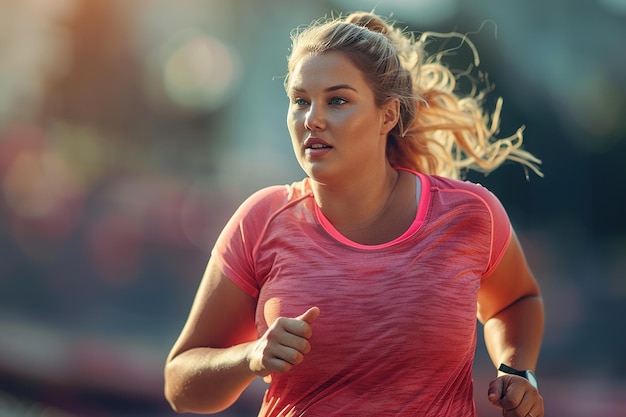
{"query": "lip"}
[(315, 153), (312, 140)]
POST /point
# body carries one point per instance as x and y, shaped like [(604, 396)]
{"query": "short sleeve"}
[(500, 228), (235, 247)]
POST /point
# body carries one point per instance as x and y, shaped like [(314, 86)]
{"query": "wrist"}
[(527, 374)]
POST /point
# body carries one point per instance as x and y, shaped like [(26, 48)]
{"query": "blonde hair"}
[(439, 132)]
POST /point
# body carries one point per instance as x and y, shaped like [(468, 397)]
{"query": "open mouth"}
[(318, 146)]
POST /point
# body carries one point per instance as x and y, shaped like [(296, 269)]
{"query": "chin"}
[(321, 175)]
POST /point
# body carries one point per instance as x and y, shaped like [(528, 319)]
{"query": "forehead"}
[(325, 70)]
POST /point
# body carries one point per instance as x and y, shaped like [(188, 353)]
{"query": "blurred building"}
[(130, 131)]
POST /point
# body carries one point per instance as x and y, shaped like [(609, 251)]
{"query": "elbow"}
[(175, 402), (186, 403), (184, 396), (181, 409), (176, 408), (180, 404), (173, 394)]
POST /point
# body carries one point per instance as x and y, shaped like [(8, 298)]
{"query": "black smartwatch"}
[(528, 374)]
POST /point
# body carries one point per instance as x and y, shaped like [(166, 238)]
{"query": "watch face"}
[(530, 376)]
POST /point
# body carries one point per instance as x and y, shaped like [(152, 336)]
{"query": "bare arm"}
[(207, 369), (219, 353), (511, 309)]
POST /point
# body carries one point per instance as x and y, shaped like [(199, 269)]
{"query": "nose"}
[(314, 119)]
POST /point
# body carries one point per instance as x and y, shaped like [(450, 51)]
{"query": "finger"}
[(515, 395), (293, 341), (531, 404), (533, 413), (278, 363), (301, 325), (310, 315), (283, 350), (289, 356), (496, 390)]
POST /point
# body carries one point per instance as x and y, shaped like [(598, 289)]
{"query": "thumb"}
[(496, 389), (310, 315)]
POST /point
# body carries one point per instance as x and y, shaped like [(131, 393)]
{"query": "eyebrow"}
[(329, 89)]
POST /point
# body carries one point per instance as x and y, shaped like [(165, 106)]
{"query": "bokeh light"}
[(130, 132), (201, 73)]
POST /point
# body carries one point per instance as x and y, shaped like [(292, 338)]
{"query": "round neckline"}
[(423, 201)]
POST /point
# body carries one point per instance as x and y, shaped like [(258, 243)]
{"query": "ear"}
[(391, 115)]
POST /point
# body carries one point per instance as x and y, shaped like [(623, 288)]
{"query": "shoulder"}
[(443, 183), (236, 246), (465, 189), (278, 195), (269, 200), (487, 205), (465, 195)]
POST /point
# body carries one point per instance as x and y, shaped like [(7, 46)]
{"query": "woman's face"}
[(336, 128)]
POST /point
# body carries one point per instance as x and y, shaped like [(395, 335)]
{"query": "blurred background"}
[(131, 130)]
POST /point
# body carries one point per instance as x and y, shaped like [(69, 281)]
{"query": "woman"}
[(355, 291)]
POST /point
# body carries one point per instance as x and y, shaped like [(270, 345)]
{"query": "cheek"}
[(293, 122), (358, 124), (295, 132)]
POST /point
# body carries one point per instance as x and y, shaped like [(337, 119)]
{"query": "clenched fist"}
[(284, 344), (515, 396)]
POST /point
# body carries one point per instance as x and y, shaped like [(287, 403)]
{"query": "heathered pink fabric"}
[(397, 329)]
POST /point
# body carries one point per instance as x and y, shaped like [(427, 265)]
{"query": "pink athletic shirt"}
[(397, 330)]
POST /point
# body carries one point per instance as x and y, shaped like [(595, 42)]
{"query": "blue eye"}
[(299, 101), (337, 101)]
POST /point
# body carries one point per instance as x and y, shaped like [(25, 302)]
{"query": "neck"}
[(358, 204)]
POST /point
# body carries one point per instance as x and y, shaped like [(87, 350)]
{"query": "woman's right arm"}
[(207, 368), (219, 353)]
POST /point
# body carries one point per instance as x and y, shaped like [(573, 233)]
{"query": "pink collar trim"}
[(422, 208)]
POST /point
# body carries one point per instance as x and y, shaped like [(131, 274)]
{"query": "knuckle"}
[(266, 363), (278, 323)]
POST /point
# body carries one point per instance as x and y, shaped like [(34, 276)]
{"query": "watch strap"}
[(527, 374)]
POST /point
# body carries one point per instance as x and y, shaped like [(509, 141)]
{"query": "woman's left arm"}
[(511, 308)]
